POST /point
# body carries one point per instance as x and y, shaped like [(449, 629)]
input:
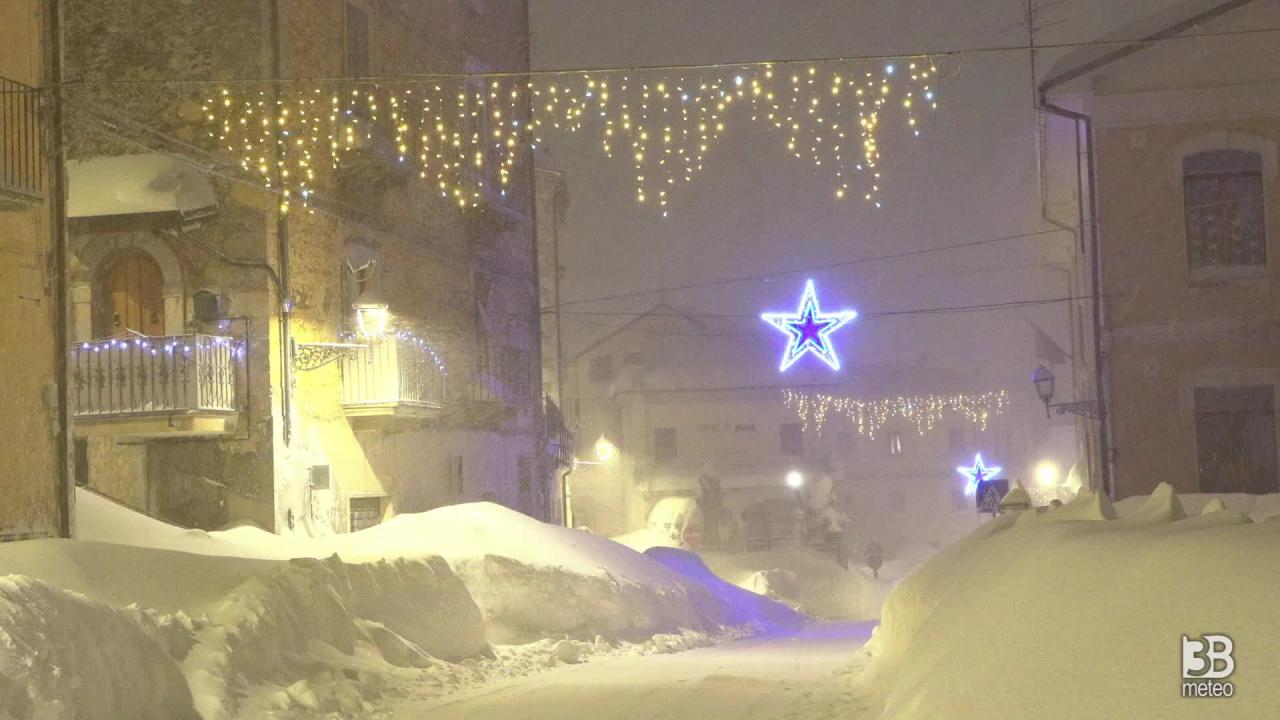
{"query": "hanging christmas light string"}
[(463, 135), (922, 411)]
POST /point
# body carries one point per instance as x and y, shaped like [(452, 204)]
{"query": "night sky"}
[(970, 176)]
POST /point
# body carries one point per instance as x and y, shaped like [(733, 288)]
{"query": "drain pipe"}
[(58, 268), (1089, 218)]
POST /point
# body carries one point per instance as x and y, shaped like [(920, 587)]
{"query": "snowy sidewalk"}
[(797, 676)]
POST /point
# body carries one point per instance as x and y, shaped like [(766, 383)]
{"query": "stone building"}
[(1175, 143), (552, 207), (312, 360), (33, 478), (665, 399)]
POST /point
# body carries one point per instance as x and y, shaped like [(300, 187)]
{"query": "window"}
[(897, 501), (664, 445), (455, 477), (895, 442), (792, 439), (601, 369), (1236, 439), (524, 478), (1222, 197), (357, 49), (955, 440), (517, 375), (365, 512)]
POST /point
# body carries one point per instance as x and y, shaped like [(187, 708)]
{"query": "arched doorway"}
[(132, 296)]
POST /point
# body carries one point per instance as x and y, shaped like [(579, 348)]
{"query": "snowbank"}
[(1073, 614), (812, 582), (243, 623), (222, 626), (530, 579), (65, 656), (741, 606)]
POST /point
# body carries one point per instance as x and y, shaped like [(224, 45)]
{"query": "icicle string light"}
[(464, 135), (923, 411)]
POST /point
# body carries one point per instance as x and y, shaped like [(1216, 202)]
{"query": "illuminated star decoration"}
[(810, 329), (978, 473)]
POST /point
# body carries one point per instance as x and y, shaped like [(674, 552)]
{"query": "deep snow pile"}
[(114, 629), (798, 576), (1073, 613), (529, 578), (244, 623), (807, 580)]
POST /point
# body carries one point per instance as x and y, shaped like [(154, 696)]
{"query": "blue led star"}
[(978, 473), (810, 329)]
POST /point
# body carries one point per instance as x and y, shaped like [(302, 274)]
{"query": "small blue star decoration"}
[(978, 473), (810, 329)]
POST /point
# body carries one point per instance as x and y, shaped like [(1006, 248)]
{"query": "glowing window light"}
[(977, 473), (372, 319), (810, 330)]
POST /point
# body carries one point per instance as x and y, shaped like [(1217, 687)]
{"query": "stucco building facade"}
[(673, 401), (1182, 136)]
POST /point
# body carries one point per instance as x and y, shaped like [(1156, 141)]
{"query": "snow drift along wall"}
[(1075, 613)]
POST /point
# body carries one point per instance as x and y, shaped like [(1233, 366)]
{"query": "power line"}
[(935, 52), (808, 269), (585, 316)]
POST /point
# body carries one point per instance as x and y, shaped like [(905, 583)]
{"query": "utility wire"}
[(808, 269), (590, 318), (935, 52)]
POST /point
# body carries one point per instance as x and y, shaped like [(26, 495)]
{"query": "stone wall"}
[(426, 267), (28, 426)]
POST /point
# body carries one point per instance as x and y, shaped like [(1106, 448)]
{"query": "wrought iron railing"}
[(22, 164), (153, 375), (397, 369)]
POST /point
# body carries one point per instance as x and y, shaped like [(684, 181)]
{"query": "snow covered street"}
[(797, 675)]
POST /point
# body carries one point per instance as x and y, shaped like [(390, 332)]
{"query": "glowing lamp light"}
[(809, 330), (372, 319), (605, 450), (977, 473), (794, 479), (1048, 473)]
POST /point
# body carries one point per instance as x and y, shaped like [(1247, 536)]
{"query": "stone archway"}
[(92, 253)]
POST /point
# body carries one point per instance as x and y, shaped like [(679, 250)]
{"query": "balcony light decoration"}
[(463, 135), (923, 411)]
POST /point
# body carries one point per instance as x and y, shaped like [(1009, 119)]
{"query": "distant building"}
[(1181, 134), (231, 361), (33, 452), (678, 400)]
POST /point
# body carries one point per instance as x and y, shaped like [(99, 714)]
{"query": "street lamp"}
[(1048, 473), (371, 318), (794, 479), (605, 450), (1044, 381)]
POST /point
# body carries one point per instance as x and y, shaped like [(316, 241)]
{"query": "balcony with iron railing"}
[(157, 386), (398, 375), (22, 163)]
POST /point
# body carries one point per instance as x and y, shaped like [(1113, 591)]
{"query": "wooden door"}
[(132, 290)]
